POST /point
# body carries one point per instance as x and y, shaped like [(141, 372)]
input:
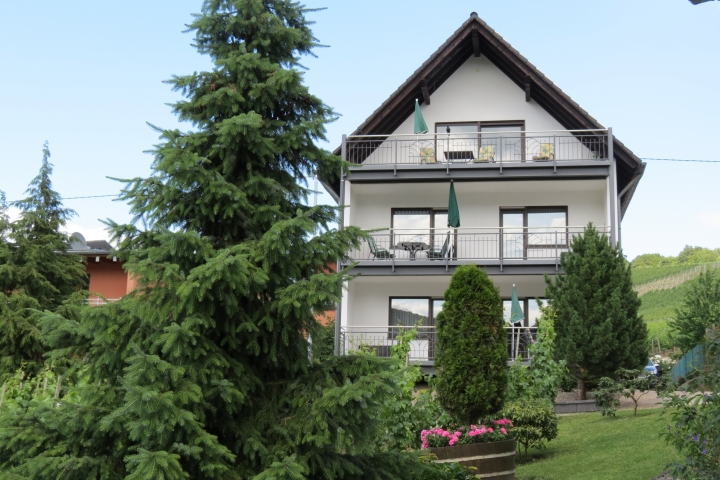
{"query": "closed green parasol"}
[(420, 126), (453, 210), (516, 313)]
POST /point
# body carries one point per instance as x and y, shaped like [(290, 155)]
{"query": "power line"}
[(91, 196), (680, 160)]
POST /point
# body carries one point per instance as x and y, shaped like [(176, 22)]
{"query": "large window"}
[(485, 141), (530, 308), (411, 311), (526, 232), (418, 224)]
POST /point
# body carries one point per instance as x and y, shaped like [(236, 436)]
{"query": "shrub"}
[(472, 347), (606, 396), (534, 422), (695, 430), (699, 310)]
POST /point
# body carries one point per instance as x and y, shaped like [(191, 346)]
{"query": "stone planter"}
[(494, 460)]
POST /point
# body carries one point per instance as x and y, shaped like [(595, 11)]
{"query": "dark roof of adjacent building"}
[(79, 246), (475, 37)]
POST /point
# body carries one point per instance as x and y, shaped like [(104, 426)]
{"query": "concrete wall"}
[(479, 202), (368, 298), (479, 91)]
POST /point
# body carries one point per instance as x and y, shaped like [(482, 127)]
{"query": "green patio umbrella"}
[(516, 316), (516, 313), (420, 126), (453, 210)]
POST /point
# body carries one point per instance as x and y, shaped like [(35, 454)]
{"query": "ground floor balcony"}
[(380, 341), (440, 250)]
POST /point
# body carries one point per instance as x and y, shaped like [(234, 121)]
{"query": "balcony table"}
[(413, 247)]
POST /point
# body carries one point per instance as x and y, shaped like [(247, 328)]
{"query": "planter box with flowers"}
[(490, 449)]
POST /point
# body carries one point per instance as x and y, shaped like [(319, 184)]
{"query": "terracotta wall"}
[(107, 278)]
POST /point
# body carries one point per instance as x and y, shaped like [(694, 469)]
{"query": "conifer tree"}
[(36, 274), (700, 310), (472, 347), (203, 371), (598, 327)]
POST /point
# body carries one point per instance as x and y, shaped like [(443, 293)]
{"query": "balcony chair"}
[(545, 152), (423, 151), (439, 254), (378, 252), (486, 153)]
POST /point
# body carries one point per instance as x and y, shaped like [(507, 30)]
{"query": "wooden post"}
[(57, 391)]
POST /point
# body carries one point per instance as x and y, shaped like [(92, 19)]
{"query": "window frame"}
[(525, 305), (431, 233), (484, 123), (525, 211)]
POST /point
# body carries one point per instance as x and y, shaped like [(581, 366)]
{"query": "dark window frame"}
[(525, 210), (485, 123), (431, 210), (525, 304)]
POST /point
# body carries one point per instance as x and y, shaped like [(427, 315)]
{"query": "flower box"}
[(494, 460)]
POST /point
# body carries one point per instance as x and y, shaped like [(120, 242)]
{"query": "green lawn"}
[(592, 447)]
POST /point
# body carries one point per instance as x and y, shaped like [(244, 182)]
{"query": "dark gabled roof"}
[(475, 35)]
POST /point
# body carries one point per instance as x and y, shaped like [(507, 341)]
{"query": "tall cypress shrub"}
[(204, 372), (598, 326), (472, 353)]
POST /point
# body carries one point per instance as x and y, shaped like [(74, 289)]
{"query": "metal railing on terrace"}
[(487, 148), (380, 340), (491, 243)]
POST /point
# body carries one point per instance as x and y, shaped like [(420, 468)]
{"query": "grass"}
[(593, 447)]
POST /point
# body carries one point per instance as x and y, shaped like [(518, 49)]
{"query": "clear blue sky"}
[(87, 76)]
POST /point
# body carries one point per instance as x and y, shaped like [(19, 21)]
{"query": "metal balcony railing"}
[(380, 340), (479, 148), (444, 244)]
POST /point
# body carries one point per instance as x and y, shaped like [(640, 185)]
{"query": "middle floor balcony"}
[(439, 250)]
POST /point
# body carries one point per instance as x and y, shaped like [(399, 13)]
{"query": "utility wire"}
[(92, 196), (680, 160)]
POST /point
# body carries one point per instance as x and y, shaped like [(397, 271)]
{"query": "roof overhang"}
[(475, 37)]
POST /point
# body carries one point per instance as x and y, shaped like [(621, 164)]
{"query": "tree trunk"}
[(581, 389)]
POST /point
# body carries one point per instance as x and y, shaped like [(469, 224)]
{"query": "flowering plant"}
[(438, 437)]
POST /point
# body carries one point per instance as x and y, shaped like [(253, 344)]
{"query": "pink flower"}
[(490, 430), (502, 429)]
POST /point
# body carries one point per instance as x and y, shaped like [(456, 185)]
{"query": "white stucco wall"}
[(368, 297), (479, 91), (480, 202)]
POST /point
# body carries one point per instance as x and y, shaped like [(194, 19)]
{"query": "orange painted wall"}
[(108, 278)]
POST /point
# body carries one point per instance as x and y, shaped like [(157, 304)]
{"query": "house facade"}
[(530, 169)]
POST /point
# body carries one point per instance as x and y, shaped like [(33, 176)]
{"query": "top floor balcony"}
[(454, 145)]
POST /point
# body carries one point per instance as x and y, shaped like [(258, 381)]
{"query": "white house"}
[(530, 169)]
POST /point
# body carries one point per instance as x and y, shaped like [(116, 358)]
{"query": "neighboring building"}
[(107, 280), (530, 167)]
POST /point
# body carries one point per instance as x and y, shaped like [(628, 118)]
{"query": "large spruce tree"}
[(204, 372), (598, 326), (36, 273)]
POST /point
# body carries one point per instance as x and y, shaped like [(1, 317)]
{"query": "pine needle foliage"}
[(472, 347), (203, 371), (36, 273), (598, 326)]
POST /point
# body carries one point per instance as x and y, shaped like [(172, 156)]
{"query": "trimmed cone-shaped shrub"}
[(472, 347)]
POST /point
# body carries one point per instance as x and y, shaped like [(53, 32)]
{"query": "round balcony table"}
[(413, 247)]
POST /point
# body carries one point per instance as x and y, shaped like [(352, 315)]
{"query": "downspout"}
[(341, 216), (613, 190)]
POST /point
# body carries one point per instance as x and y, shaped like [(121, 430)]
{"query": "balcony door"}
[(480, 141), (419, 224), (533, 232)]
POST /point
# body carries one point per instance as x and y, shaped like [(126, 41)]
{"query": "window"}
[(418, 224), (530, 308), (528, 231), (484, 141)]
